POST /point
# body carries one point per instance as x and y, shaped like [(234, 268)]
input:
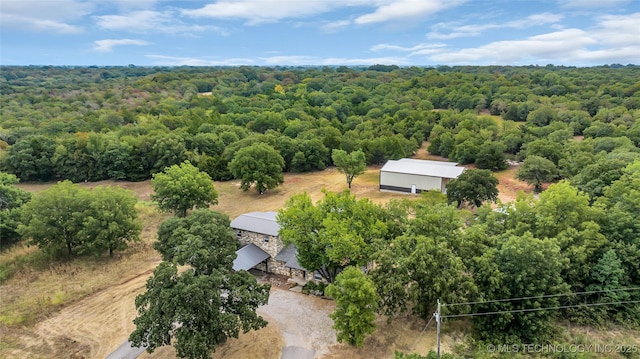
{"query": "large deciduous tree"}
[(198, 309), (258, 165), (535, 170), (111, 221), (197, 240), (520, 267), (356, 303), (11, 199), (67, 216), (474, 187), (181, 188), (333, 234), (351, 164), (53, 218), (415, 271)]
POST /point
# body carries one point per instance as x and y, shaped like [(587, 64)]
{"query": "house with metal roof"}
[(262, 248), (409, 175)]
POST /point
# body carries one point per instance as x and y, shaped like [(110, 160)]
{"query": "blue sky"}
[(319, 32)]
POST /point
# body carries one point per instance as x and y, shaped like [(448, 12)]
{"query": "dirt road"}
[(112, 312)]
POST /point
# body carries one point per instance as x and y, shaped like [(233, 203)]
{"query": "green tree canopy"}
[(356, 302), (181, 188), (198, 309), (336, 232), (53, 219), (473, 186), (111, 221), (415, 271), (351, 164), (202, 238), (67, 216), (196, 313), (520, 266), (535, 170), (11, 199), (258, 165)]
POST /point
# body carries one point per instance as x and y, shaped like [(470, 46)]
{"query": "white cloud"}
[(412, 49), (364, 61), (289, 60), (619, 29), (477, 29), (592, 4), (56, 16), (128, 5), (612, 39), (148, 21), (336, 25), (193, 61), (107, 45), (406, 9), (295, 60), (552, 48), (259, 11)]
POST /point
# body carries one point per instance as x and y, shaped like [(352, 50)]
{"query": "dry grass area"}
[(265, 343), (81, 308), (403, 334), (84, 308), (508, 185)]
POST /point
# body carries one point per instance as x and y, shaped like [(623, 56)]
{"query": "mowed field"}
[(84, 308)]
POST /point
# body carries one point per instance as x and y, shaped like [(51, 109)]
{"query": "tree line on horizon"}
[(127, 123)]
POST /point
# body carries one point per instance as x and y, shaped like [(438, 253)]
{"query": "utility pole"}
[(438, 320)]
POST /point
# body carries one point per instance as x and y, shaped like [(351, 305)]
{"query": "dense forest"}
[(578, 128), (88, 124)]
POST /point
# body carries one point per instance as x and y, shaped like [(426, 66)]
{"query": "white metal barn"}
[(414, 176)]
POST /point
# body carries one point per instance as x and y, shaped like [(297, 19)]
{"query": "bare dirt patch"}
[(509, 186)]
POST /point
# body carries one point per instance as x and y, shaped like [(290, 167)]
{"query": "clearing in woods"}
[(84, 308)]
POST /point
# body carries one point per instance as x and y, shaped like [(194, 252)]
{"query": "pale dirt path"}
[(100, 322)]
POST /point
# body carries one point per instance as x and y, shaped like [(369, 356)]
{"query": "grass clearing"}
[(85, 307), (40, 287)]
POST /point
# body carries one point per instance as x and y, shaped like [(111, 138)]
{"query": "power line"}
[(538, 309), (543, 296)]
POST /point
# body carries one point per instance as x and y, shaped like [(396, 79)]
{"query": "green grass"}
[(21, 257)]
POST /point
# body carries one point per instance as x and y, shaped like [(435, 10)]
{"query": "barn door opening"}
[(413, 189)]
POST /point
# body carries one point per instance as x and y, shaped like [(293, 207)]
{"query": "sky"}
[(319, 32)]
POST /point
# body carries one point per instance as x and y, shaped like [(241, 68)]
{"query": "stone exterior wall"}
[(272, 245)]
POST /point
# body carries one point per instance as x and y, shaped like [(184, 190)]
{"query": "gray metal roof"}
[(289, 255), (248, 257), (423, 168), (258, 222)]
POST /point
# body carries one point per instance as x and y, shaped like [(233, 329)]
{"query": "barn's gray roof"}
[(288, 255), (248, 257), (258, 222), (423, 168)]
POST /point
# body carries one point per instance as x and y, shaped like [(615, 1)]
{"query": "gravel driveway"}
[(303, 321)]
